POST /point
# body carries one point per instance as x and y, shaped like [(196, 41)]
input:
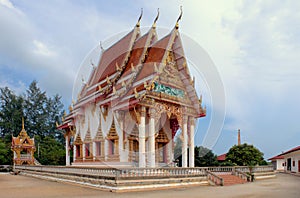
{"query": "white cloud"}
[(7, 4), (42, 49)]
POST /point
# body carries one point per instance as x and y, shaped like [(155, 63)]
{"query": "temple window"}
[(77, 150), (87, 149), (98, 149)]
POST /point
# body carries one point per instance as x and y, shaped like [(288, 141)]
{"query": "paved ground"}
[(283, 186)]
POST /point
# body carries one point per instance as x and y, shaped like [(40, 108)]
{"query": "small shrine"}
[(23, 148)]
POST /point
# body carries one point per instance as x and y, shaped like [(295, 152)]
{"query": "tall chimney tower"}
[(239, 137)]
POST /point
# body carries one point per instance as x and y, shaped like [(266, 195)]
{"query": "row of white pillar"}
[(142, 154), (142, 139)]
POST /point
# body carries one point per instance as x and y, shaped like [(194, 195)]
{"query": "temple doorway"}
[(161, 142)]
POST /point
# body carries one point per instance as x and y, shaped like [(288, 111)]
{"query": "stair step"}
[(232, 179)]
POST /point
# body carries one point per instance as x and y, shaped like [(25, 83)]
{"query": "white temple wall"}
[(94, 119)]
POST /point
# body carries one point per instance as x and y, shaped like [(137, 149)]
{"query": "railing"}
[(105, 172), (258, 169), (160, 172), (25, 157), (242, 175), (119, 173), (217, 180), (244, 169), (220, 169), (164, 172)]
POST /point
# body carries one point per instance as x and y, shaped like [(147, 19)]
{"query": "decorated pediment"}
[(99, 135), (78, 139), (112, 135)]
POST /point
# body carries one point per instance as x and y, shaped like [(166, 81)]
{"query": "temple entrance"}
[(161, 142), (133, 150), (161, 152)]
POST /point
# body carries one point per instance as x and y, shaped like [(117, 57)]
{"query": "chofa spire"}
[(138, 23), (177, 24), (156, 18)]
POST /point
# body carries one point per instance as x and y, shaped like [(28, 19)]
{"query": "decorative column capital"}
[(152, 113), (143, 111), (191, 120), (184, 119)]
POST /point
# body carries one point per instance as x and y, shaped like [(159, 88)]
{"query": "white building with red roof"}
[(290, 160), (277, 162)]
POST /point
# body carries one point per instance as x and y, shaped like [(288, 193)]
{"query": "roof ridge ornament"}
[(101, 47), (156, 18), (179, 18), (138, 23)]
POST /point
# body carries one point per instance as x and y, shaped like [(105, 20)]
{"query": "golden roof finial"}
[(138, 23), (154, 23), (23, 127), (177, 25)]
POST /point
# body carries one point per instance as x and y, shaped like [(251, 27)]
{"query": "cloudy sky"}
[(254, 45)]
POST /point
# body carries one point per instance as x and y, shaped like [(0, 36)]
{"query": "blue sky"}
[(255, 46)]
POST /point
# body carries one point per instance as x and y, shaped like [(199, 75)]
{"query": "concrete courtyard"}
[(284, 185)]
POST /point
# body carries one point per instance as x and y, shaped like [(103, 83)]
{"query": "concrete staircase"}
[(232, 179)]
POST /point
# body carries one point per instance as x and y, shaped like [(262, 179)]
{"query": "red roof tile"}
[(276, 157), (222, 157), (290, 151)]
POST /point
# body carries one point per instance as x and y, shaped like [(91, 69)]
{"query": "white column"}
[(106, 147), (121, 138), (152, 138), (74, 153), (67, 151), (142, 154), (94, 151), (184, 141), (83, 151), (191, 143)]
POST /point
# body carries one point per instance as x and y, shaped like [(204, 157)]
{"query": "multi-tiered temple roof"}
[(142, 66)]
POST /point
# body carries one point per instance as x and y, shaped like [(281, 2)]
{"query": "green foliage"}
[(3, 152), (11, 112), (244, 155), (50, 152), (205, 157), (40, 113)]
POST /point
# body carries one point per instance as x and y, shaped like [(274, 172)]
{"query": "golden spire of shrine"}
[(177, 24), (138, 23), (23, 127), (156, 18), (23, 132)]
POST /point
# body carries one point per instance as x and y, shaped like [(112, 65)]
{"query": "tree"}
[(54, 108), (51, 152), (205, 157), (11, 112), (202, 156), (41, 114), (3, 152), (244, 155), (35, 110)]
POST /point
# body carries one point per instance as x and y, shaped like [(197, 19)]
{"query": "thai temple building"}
[(23, 148), (136, 100)]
